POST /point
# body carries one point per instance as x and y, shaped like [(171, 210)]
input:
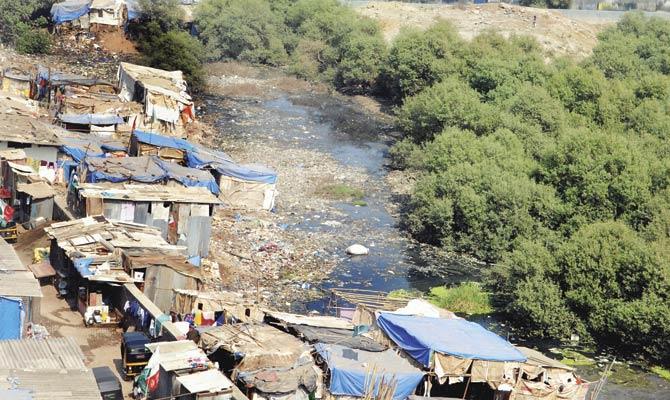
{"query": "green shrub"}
[(467, 298), (33, 42), (242, 29), (177, 50)]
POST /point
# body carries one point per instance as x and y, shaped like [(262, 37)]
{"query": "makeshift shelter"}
[(243, 186), (20, 129), (36, 202), (182, 214), (543, 377), (106, 14), (217, 306), (323, 329), (16, 82), (144, 170), (353, 371), (186, 372), (48, 369), (69, 11), (88, 253), (167, 105), (269, 362), (19, 294)]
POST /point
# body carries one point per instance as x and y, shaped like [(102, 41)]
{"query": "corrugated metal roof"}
[(210, 381), (52, 353), (15, 279), (53, 384)]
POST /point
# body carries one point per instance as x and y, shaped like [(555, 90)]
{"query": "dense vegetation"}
[(164, 43), (556, 173), (22, 25), (315, 39)]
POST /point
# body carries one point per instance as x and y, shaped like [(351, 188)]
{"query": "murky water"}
[(340, 129)]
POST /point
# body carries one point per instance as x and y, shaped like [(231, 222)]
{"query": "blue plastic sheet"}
[(421, 336), (201, 158), (134, 9), (190, 176), (10, 319), (82, 264), (69, 10), (91, 119), (349, 370), (162, 141)]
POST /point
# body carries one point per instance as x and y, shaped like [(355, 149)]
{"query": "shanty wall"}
[(192, 227), (16, 87), (159, 282), (245, 194), (36, 152)]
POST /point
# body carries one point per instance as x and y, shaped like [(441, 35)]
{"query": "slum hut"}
[(162, 271), (72, 12), (217, 307), (16, 82), (77, 146), (144, 170), (360, 373), (183, 214), (323, 329), (458, 353), (242, 186), (108, 15), (88, 253), (96, 109), (265, 361), (52, 85), (19, 294), (186, 372), (35, 203), (543, 377), (48, 369), (167, 105), (19, 129)]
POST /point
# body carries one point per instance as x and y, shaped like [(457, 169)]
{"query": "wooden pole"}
[(467, 385)]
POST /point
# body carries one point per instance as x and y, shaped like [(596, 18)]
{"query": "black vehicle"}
[(134, 354), (108, 384)]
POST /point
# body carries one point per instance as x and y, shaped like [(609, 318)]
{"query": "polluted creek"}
[(313, 199)]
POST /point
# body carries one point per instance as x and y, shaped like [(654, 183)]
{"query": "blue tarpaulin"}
[(203, 158), (91, 119), (350, 370), (189, 176), (69, 10), (10, 319), (421, 336), (89, 146), (146, 169), (162, 141), (134, 9)]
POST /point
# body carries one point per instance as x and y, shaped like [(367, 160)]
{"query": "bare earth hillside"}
[(557, 33)]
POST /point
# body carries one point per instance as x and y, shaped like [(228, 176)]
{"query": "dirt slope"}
[(558, 34)]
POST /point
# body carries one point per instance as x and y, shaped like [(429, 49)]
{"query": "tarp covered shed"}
[(108, 12), (352, 371), (70, 10), (420, 337), (79, 146), (16, 82), (246, 186), (267, 359)]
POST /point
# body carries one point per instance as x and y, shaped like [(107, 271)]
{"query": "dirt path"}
[(557, 33)]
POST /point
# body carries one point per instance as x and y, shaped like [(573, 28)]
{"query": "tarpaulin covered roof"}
[(134, 9), (350, 370), (343, 337), (91, 119), (162, 141), (201, 157), (80, 146), (189, 176), (69, 10), (146, 169), (138, 169), (421, 336)]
